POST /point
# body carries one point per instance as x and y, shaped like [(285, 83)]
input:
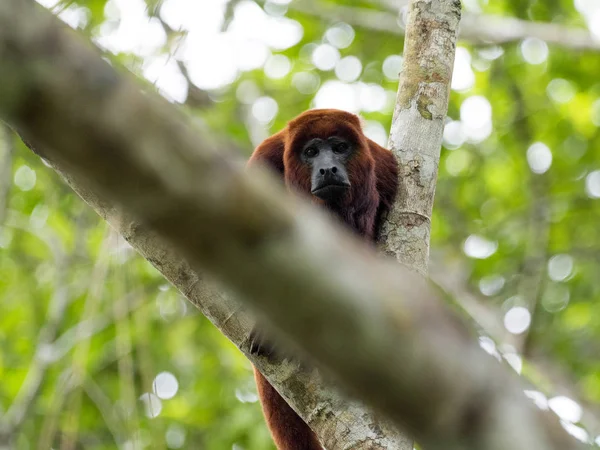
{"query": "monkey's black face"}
[(327, 159)]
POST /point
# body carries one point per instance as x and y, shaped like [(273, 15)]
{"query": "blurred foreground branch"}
[(379, 329)]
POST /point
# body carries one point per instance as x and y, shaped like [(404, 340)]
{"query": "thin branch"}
[(479, 29), (17, 413), (88, 328), (125, 365), (370, 19), (229, 14), (16, 220), (79, 361), (197, 98), (146, 362), (65, 385), (112, 416), (486, 29), (537, 238), (45, 354)]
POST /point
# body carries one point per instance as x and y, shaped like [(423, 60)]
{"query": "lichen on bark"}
[(427, 43)]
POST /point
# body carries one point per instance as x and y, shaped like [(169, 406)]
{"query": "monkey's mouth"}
[(331, 191)]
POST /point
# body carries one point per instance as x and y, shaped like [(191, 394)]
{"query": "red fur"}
[(287, 428), (373, 174)]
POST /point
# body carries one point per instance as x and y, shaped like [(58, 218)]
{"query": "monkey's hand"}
[(259, 345)]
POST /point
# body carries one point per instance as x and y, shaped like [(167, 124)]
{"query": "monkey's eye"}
[(311, 152), (340, 147)]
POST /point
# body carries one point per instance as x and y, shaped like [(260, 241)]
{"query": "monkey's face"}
[(327, 159)]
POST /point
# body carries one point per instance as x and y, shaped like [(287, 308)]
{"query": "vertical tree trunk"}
[(417, 128), (418, 125)]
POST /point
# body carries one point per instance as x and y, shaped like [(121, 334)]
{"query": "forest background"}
[(514, 229)]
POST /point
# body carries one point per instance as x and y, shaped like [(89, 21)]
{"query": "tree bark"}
[(418, 126), (379, 330)]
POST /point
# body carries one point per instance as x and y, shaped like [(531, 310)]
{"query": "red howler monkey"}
[(324, 153)]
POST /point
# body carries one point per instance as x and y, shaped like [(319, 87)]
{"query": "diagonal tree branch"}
[(370, 320)]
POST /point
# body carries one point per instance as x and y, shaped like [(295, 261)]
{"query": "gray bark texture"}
[(378, 330), (418, 126)]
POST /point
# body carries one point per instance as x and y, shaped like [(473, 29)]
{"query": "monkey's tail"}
[(289, 431)]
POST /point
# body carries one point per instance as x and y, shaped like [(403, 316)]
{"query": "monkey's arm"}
[(259, 344), (386, 172)]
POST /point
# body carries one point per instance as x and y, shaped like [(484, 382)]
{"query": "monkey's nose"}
[(330, 170)]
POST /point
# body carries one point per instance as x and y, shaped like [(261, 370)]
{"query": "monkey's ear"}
[(270, 152), (362, 122)]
